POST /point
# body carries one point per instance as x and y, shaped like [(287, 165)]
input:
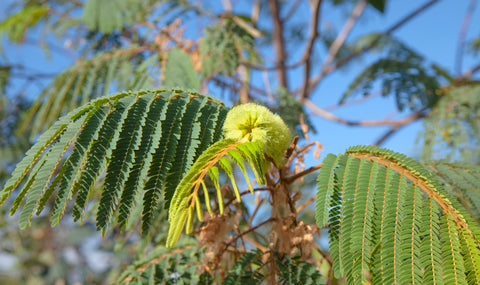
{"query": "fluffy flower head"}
[(251, 122)]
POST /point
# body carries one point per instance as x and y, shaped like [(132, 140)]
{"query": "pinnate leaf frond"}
[(392, 221), (179, 264), (128, 140), (86, 80)]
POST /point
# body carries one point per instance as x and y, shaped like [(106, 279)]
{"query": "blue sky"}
[(433, 34)]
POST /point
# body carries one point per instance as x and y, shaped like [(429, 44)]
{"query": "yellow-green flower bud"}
[(251, 122)]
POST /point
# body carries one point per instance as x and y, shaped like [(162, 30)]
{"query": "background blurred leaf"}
[(179, 71)]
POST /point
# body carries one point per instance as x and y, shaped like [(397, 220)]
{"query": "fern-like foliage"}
[(88, 79), (224, 47), (131, 140), (15, 26), (474, 45), (402, 72), (176, 265), (247, 269), (186, 198), (391, 221), (109, 15), (296, 271), (250, 268), (179, 71), (452, 129), (463, 182)]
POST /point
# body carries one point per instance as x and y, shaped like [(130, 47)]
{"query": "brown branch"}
[(329, 69), (291, 179), (385, 136), (292, 147), (307, 54), (342, 36), (278, 42), (298, 153), (274, 67), (354, 101), (254, 213), (462, 34), (471, 71), (233, 239), (306, 203), (292, 10), (394, 123), (255, 243), (255, 12)]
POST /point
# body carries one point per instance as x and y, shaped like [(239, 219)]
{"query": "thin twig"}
[(291, 179), (342, 36), (329, 69), (278, 42), (292, 10), (254, 213), (354, 101), (306, 203), (307, 54), (385, 136), (471, 71), (462, 35), (233, 239), (255, 12), (394, 123), (255, 243)]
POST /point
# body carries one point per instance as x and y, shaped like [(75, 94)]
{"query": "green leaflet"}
[(15, 26), (179, 71), (121, 159), (143, 159), (109, 15), (297, 271), (462, 182), (250, 269), (186, 150), (86, 80), (162, 159), (402, 72), (176, 265), (385, 210), (451, 130), (185, 198), (127, 136), (242, 273)]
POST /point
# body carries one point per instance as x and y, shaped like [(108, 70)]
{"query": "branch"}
[(306, 203), (232, 239), (462, 34), (394, 123), (292, 10), (278, 42), (471, 71), (255, 12), (385, 136), (342, 36), (307, 54), (291, 179), (328, 69)]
